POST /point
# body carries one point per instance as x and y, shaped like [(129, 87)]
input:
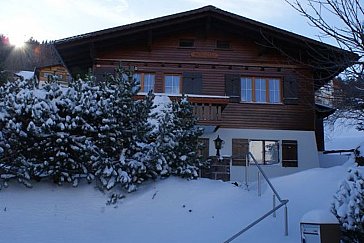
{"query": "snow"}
[(189, 95), (162, 105), (342, 135), (26, 74), (360, 149), (169, 210), (319, 216)]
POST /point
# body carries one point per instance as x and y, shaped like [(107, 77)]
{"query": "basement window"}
[(186, 43), (264, 151)]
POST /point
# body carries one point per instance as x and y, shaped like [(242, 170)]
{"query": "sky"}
[(57, 19)]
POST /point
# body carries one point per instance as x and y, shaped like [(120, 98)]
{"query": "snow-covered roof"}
[(319, 216), (26, 74)]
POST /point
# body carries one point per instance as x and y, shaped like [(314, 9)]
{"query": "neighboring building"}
[(25, 74), (252, 84), (57, 71), (325, 95)]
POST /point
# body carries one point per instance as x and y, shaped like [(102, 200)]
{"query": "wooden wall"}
[(162, 55), (58, 70)]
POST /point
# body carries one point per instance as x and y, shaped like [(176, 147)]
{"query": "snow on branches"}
[(94, 130), (348, 206)]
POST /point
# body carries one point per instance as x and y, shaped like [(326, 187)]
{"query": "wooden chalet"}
[(252, 84), (44, 73)]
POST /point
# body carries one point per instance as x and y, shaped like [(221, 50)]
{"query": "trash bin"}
[(320, 226)]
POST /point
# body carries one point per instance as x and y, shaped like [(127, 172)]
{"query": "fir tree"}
[(187, 161), (122, 130), (348, 206), (162, 139), (17, 101)]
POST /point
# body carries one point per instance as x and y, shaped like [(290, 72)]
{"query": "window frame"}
[(142, 81), (223, 45), (179, 84), (267, 89), (263, 151), (186, 40)]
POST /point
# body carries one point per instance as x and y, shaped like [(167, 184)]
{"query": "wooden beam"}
[(150, 40), (92, 51), (207, 27), (227, 64)]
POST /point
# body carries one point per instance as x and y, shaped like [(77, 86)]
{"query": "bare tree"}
[(340, 20), (343, 22)]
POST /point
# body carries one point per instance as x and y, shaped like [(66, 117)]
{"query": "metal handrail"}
[(272, 211), (265, 176)]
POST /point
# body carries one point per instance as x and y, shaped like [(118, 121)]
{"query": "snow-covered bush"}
[(186, 161), (121, 137), (98, 130), (348, 206), (359, 155), (17, 100)]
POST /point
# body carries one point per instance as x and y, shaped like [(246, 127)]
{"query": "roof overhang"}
[(324, 111), (327, 61)]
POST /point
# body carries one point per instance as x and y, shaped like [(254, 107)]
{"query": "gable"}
[(242, 50), (79, 53)]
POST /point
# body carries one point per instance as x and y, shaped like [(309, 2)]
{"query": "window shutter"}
[(289, 153), (290, 90), (102, 72), (192, 83), (204, 149), (240, 149), (232, 87)]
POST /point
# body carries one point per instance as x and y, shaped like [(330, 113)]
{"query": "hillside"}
[(170, 210)]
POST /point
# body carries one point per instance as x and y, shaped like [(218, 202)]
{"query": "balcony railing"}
[(207, 108), (207, 112)]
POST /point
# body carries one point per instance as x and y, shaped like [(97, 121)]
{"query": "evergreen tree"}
[(348, 206), (123, 130), (94, 129), (67, 148), (187, 161), (162, 138), (5, 49), (17, 101)]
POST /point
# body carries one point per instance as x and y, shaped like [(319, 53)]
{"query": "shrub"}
[(348, 206)]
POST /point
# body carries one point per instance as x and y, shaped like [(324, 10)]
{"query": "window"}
[(46, 75), (172, 84), (260, 90), (146, 81), (186, 43), (246, 89), (274, 91), (265, 152), (222, 44)]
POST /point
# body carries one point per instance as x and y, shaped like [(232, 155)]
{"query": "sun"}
[(17, 40)]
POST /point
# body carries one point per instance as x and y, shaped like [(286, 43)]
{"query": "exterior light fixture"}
[(218, 145)]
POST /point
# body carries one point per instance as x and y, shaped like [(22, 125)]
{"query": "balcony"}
[(207, 108)]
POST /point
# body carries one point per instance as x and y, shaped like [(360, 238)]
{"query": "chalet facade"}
[(252, 84), (58, 70)]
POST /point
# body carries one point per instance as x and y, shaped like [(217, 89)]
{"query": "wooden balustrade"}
[(207, 112)]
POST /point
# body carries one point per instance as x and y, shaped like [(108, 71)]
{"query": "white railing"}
[(283, 202)]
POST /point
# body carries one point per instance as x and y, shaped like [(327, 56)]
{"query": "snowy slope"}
[(342, 135), (170, 210)]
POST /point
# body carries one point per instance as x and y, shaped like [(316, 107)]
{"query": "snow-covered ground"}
[(170, 210), (342, 135)]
